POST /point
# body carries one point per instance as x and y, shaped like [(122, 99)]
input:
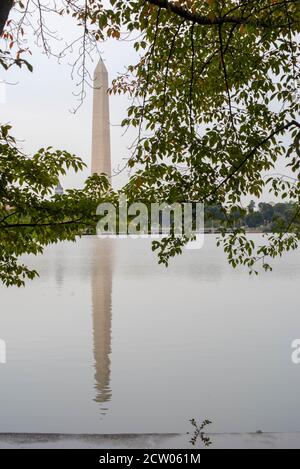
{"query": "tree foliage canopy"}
[(215, 103), (31, 217)]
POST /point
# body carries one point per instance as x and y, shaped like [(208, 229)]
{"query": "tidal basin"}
[(106, 341)]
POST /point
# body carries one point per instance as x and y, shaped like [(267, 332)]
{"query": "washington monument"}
[(101, 153)]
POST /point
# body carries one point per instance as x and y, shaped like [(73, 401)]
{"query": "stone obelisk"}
[(101, 153)]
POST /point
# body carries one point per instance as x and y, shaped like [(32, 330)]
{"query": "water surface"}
[(108, 341)]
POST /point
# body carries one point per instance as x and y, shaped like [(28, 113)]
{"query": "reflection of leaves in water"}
[(199, 433)]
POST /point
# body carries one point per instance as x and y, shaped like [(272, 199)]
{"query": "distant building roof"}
[(59, 189)]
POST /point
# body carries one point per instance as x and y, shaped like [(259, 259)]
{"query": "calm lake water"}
[(107, 341)]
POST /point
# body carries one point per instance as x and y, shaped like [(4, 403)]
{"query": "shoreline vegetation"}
[(263, 218)]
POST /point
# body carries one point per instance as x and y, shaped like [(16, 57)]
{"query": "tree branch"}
[(226, 77), (44, 225), (5, 7), (251, 153)]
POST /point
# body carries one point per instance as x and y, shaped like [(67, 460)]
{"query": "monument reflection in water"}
[(101, 282)]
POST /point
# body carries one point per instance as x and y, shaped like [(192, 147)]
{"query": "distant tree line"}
[(269, 217)]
